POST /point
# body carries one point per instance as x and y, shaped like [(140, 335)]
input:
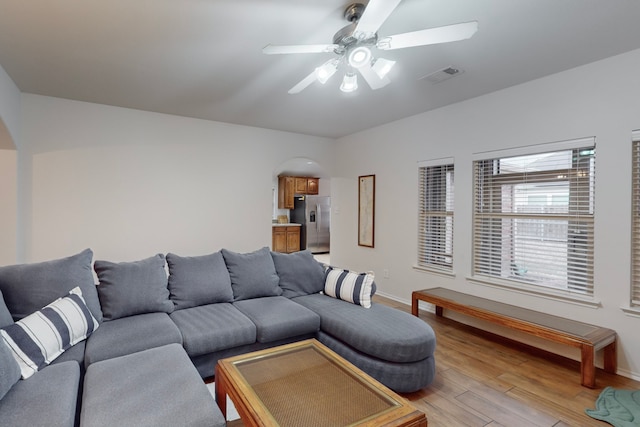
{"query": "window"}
[(635, 226), (533, 217), (435, 218)]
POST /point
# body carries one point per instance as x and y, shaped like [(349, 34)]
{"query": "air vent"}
[(442, 75)]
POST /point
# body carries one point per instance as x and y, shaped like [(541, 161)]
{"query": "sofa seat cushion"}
[(278, 318), (47, 398), (130, 334), (213, 327), (155, 387), (380, 331)]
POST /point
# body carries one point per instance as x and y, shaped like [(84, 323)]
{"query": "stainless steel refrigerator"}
[(314, 213)]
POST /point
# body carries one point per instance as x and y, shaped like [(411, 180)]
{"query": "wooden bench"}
[(588, 338)]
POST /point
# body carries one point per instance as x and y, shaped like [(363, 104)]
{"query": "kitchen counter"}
[(288, 224)]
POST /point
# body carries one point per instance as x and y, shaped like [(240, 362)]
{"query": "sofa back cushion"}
[(29, 287), (130, 288), (299, 273), (253, 274), (198, 280), (5, 314), (9, 369)]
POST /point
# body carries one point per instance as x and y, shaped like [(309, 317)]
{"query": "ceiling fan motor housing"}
[(345, 38)]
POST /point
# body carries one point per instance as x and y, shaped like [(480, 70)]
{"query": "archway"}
[(306, 167)]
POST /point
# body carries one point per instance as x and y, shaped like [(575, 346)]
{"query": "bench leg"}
[(587, 366), (414, 304), (610, 358)]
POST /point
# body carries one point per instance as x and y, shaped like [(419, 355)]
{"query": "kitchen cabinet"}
[(286, 191), (312, 186), (301, 185), (289, 186), (286, 238)]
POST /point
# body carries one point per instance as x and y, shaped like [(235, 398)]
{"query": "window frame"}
[(584, 293), (448, 201), (634, 283)]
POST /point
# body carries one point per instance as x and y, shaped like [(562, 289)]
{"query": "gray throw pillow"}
[(253, 274), (300, 274), (5, 314), (9, 369), (198, 280), (130, 288), (29, 287)]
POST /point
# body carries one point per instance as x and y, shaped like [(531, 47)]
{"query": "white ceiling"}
[(203, 58)]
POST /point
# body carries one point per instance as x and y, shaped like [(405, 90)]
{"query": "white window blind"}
[(533, 217), (435, 217), (635, 226)]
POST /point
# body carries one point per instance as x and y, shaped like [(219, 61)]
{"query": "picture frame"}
[(366, 210)]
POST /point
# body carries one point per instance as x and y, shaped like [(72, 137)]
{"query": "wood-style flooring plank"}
[(511, 383)]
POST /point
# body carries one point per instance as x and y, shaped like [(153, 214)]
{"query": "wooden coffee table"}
[(307, 384)]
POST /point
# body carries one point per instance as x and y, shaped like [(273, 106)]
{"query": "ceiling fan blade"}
[(374, 15), (372, 78), (301, 48), (303, 83), (448, 33)]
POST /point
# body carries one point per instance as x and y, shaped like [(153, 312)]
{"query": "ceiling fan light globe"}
[(325, 71), (382, 67), (349, 83), (359, 56)]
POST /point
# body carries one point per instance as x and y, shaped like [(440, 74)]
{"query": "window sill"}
[(444, 273), (548, 293), (632, 311)]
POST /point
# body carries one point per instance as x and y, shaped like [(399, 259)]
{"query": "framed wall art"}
[(366, 209)]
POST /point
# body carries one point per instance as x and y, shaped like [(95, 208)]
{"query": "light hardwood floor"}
[(486, 380)]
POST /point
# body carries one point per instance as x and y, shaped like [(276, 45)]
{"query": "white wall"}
[(9, 112), (9, 140), (601, 99), (129, 184)]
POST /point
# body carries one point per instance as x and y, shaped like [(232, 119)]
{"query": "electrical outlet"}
[(385, 273)]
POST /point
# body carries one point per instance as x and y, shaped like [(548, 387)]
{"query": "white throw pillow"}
[(349, 286), (41, 337)]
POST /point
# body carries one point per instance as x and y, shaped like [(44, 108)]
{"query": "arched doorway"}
[(315, 223)]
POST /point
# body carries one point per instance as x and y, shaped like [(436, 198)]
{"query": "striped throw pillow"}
[(41, 337), (349, 286)]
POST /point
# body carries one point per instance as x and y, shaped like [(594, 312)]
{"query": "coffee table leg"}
[(221, 394)]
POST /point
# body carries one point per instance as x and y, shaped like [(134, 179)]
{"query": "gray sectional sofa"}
[(156, 327)]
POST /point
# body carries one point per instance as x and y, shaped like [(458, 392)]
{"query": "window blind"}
[(635, 225), (533, 219), (435, 217)]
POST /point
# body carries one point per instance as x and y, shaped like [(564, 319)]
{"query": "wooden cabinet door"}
[(301, 185), (312, 185), (293, 239), (279, 239), (286, 192)]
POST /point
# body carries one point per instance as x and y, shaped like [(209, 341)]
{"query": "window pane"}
[(435, 235), (533, 219)]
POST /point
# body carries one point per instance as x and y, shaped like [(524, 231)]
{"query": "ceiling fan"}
[(353, 46)]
